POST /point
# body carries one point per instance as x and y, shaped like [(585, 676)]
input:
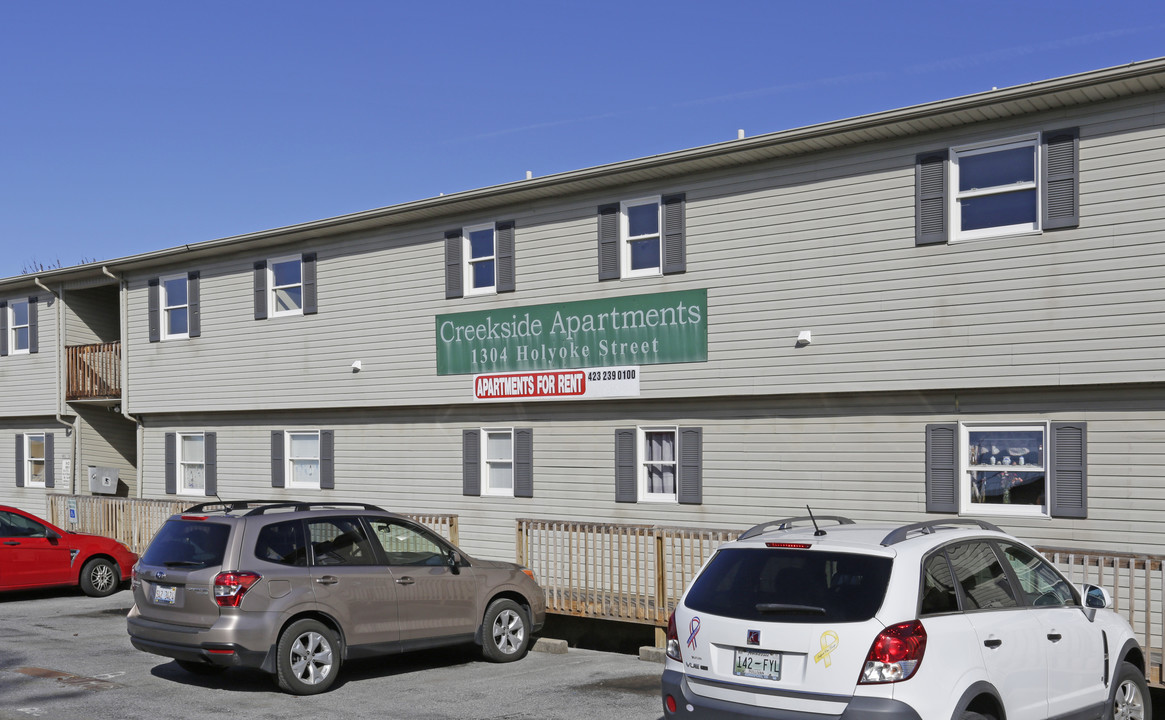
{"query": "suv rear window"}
[(795, 586), (188, 543)]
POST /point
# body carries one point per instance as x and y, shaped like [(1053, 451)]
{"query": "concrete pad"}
[(549, 645), (652, 654)]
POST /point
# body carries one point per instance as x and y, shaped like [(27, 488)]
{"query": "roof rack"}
[(929, 526), (259, 507), (788, 523)]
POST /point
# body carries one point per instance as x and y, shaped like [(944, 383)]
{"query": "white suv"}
[(935, 620)]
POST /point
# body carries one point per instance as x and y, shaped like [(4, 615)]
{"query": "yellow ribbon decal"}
[(828, 644)]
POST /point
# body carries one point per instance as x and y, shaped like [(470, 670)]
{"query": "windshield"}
[(795, 586), (188, 544)]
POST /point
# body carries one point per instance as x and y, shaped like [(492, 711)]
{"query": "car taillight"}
[(134, 580), (672, 648), (230, 587), (895, 654)]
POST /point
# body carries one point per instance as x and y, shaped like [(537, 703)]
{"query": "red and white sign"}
[(581, 383)]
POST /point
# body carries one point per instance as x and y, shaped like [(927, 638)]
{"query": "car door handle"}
[(993, 643), (328, 580), (406, 580), (11, 542), (1055, 637)]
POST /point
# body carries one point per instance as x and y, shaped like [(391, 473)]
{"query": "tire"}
[(505, 632), (200, 668), (1130, 695), (308, 659), (99, 578)]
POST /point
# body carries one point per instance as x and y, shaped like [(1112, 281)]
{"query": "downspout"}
[(123, 331), (60, 352)]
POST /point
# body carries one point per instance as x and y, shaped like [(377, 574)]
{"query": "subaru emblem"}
[(160, 575), (754, 637)]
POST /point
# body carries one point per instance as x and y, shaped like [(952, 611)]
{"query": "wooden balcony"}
[(94, 372)]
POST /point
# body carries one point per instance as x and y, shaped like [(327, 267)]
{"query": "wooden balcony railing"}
[(94, 371)]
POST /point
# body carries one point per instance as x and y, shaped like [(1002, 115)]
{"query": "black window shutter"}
[(471, 462), (454, 285), (278, 469), (1060, 184), (609, 242), (261, 290), (155, 309), (19, 461), (210, 466), (942, 482), (930, 198), (523, 462), (327, 459), (1068, 470), (49, 461), (626, 485), (310, 302), (171, 463), (675, 256), (3, 329), (504, 237), (33, 333), (193, 304), (690, 484)]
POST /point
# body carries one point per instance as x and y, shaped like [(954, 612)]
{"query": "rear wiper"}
[(783, 608), (183, 563)]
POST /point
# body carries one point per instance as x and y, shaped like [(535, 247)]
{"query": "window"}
[(19, 328), (34, 459), (642, 237), (303, 459), (1023, 184), (980, 576), (192, 464), (282, 543), (995, 189), (659, 464), (404, 545), (479, 260), (339, 541), (285, 286), (1038, 580), (498, 461), (15, 525), (1032, 469), (175, 307)]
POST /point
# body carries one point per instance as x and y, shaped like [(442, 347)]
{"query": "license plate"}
[(165, 594), (757, 664)]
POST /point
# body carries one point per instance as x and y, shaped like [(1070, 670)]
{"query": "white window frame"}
[(625, 238), (182, 463), (982, 148), (29, 459), (272, 287), (487, 462), (641, 463), (966, 507), (167, 307), (13, 327), (289, 460), (467, 259)]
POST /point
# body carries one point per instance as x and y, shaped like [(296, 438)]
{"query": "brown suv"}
[(296, 588)]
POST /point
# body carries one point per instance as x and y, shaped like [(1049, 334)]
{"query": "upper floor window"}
[(479, 260), (643, 237), (995, 188), (285, 286), (639, 237), (19, 327), (175, 307)]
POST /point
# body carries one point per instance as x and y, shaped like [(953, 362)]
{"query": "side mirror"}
[(1095, 596), (454, 561), (52, 535)]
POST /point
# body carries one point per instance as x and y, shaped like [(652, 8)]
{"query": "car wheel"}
[(200, 668), (1130, 695), (505, 632), (99, 578), (309, 658), (968, 715)]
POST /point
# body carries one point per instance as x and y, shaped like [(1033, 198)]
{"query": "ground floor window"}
[(34, 459), (303, 459), (192, 464), (497, 459), (1004, 468), (657, 464)]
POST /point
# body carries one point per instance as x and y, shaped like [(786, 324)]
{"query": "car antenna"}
[(817, 531)]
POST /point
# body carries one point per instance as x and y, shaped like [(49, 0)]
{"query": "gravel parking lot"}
[(68, 656)]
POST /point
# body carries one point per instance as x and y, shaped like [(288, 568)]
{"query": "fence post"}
[(660, 590)]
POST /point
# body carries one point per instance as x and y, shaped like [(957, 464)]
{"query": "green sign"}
[(667, 327)]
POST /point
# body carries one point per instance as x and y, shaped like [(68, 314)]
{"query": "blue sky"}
[(134, 126)]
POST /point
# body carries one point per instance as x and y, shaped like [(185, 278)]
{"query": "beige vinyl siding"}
[(28, 382), (91, 316), (29, 499), (106, 440), (819, 242), (860, 456)]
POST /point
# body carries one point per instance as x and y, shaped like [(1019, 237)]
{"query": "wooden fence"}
[(133, 521), (94, 371), (637, 573)]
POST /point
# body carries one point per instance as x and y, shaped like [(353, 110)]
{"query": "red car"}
[(36, 554)]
